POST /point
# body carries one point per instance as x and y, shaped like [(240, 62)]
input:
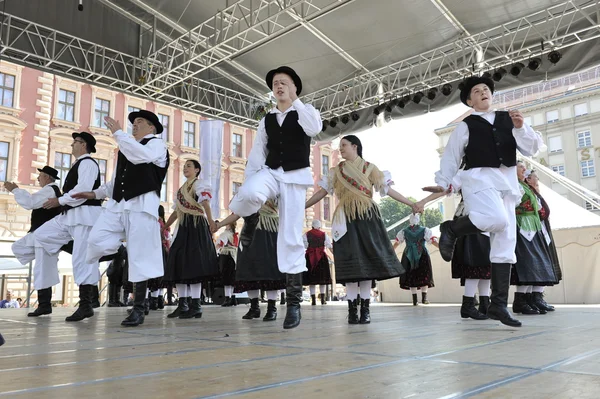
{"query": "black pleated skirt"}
[(318, 275), (534, 265), (258, 261), (227, 267), (471, 258), (422, 276)]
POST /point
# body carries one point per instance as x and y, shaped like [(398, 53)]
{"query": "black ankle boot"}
[(95, 296), (227, 302), (353, 312), (499, 298), (137, 315), (531, 303), (194, 312), (323, 301), (282, 299), (468, 309), (114, 296), (153, 303), (234, 301), (182, 307), (520, 305), (484, 304), (475, 301), (160, 302), (538, 299), (271, 311), (452, 229), (85, 309), (314, 299), (424, 300), (365, 313), (294, 297), (415, 299), (254, 311), (44, 303)]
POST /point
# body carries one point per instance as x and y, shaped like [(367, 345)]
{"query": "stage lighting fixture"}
[(486, 75), (554, 56), (418, 97), (325, 124), (354, 115), (334, 121), (406, 99), (516, 69), (461, 85), (499, 74), (534, 64), (431, 93), (401, 104), (379, 109), (345, 119), (447, 89), (390, 106)]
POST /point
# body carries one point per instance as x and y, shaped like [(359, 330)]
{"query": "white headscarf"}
[(316, 224), (414, 219)]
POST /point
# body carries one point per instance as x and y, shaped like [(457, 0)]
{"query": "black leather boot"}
[(44, 303), (194, 312), (538, 299), (160, 302), (314, 299), (415, 299), (234, 301), (531, 303), (95, 296), (450, 230), (468, 309), (282, 302), (424, 300), (499, 298), (323, 301), (153, 303), (137, 315), (475, 301), (85, 309), (294, 297), (365, 313), (353, 312), (254, 311), (147, 304), (227, 302), (114, 296), (182, 307), (170, 297), (484, 304), (271, 311), (520, 305)]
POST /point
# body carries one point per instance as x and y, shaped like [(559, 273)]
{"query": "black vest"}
[(288, 145), (134, 180), (72, 179), (40, 216), (490, 145)]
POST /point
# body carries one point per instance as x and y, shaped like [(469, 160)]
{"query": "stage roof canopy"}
[(353, 55)]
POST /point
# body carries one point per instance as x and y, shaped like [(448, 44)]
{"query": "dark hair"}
[(196, 166), (354, 140), (161, 212)]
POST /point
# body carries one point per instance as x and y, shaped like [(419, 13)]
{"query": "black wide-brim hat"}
[(471, 82), (50, 172), (288, 71), (149, 116), (88, 138)]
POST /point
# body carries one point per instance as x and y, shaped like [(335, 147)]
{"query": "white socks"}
[(351, 291), (523, 288), (313, 289), (365, 289), (228, 290), (322, 289), (424, 289), (182, 290), (272, 295), (195, 290), (252, 294), (538, 288), (471, 287), (154, 294), (413, 290), (484, 287)]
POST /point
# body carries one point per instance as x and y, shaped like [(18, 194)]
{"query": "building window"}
[(327, 208), (581, 109), (555, 144), (584, 139), (101, 110), (235, 187), (130, 109), (560, 169), (7, 89), (552, 116), (587, 168), (324, 165), (102, 167), (62, 163), (189, 134), (163, 190), (4, 147), (164, 120), (236, 145), (528, 121), (590, 207), (66, 105)]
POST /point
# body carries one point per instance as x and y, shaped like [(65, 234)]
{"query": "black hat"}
[(288, 71), (149, 116), (88, 138), (50, 172), (471, 82)]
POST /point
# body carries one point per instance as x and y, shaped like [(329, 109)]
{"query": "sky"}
[(407, 148)]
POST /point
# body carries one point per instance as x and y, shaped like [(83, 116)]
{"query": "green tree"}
[(393, 211), (431, 217)]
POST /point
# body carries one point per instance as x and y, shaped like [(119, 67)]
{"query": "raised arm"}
[(308, 118), (154, 151)]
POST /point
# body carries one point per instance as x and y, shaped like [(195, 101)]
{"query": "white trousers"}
[(52, 235), (491, 211), (45, 268), (251, 196), (142, 233)]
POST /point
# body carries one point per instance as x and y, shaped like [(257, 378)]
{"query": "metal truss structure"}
[(561, 26)]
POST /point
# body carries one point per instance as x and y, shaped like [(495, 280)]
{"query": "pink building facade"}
[(39, 111)]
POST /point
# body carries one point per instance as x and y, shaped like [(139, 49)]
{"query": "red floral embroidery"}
[(354, 182)]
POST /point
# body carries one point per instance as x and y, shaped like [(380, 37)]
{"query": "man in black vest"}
[(488, 140), (278, 165), (132, 211), (76, 221), (45, 270)]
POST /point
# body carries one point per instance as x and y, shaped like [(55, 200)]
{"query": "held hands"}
[(418, 207), (10, 186), (517, 118), (112, 124)]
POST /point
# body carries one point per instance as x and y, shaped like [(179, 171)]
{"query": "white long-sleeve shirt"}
[(155, 151), (477, 179), (36, 200), (327, 241), (85, 215), (310, 121)]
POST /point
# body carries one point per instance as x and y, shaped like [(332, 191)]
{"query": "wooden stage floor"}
[(406, 352)]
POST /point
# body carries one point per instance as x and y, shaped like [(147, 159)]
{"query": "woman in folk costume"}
[(192, 257), (157, 286), (362, 250), (317, 243), (257, 268), (535, 296), (415, 258), (534, 265), (227, 244)]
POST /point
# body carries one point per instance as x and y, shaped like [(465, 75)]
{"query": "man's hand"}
[(112, 124), (517, 118), (84, 195), (434, 189), (293, 89), (10, 186), (51, 203)]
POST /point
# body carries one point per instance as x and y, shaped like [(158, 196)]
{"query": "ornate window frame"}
[(234, 129), (16, 71), (70, 85), (170, 112), (104, 94), (131, 101), (11, 131), (190, 117)]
